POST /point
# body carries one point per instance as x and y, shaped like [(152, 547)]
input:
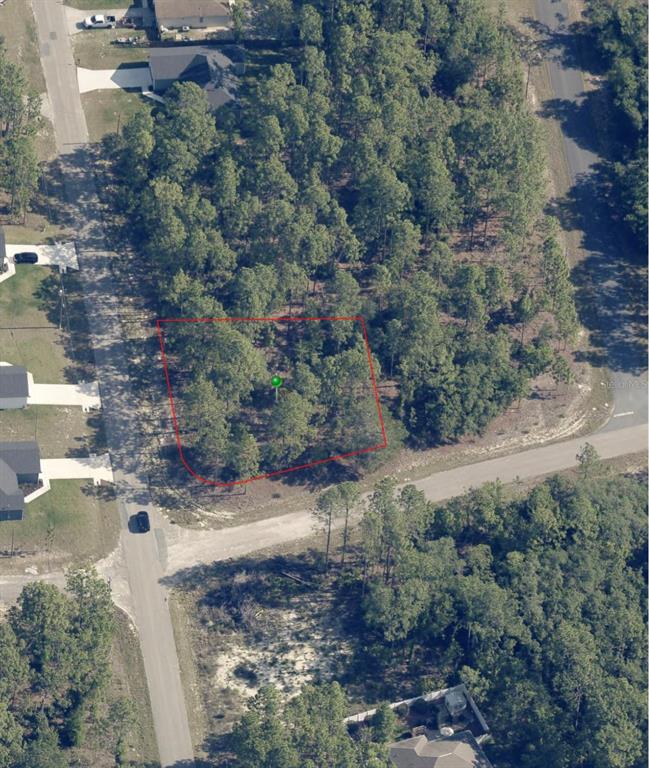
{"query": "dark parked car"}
[(26, 257), (142, 521)]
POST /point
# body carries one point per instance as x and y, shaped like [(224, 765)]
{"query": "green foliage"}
[(535, 602), (55, 651), (618, 30), (19, 124), (307, 731), (387, 167)]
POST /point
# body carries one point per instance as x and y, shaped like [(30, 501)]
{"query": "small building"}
[(14, 387), (203, 66), (195, 14), (20, 464)]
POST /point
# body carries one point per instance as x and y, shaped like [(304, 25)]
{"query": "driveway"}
[(96, 468), (75, 17), (137, 77), (61, 255), (84, 395)]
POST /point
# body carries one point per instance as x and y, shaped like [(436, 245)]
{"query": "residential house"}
[(20, 464), (203, 66), (14, 387), (195, 14), (442, 729), (461, 750)]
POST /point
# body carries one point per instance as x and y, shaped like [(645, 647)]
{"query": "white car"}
[(99, 21)]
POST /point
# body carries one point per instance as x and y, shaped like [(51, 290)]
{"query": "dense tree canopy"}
[(307, 732), (387, 167), (535, 599), (19, 122), (539, 601), (54, 670), (618, 29)]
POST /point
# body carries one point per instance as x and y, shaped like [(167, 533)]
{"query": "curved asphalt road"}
[(620, 324), (143, 555)]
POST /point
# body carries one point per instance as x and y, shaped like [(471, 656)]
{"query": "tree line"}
[(221, 379), (388, 167), (534, 599), (54, 671), (618, 32), (19, 123)]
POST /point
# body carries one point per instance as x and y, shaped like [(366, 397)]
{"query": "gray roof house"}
[(441, 729), (14, 387), (197, 14), (20, 462), (458, 751), (198, 65)]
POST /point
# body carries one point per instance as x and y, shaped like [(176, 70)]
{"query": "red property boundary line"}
[(357, 318)]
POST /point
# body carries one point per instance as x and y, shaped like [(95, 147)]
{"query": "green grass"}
[(29, 333), (96, 5), (94, 49), (27, 337), (74, 521), (106, 110), (129, 680), (59, 431), (36, 230)]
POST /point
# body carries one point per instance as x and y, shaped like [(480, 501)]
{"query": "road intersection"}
[(139, 567)]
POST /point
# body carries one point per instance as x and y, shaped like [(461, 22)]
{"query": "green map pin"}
[(277, 382)]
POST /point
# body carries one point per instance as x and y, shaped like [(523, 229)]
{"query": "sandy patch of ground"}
[(288, 660)]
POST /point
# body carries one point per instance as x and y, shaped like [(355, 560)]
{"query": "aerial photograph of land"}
[(323, 384)]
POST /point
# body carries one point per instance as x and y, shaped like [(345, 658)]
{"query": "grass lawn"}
[(106, 110), (74, 522), (94, 49), (29, 333), (59, 431), (19, 30), (36, 230), (95, 5)]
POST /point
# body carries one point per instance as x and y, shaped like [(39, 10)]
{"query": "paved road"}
[(189, 548), (141, 554), (619, 325)]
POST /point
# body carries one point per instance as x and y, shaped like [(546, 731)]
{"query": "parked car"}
[(142, 521), (26, 257), (99, 21)]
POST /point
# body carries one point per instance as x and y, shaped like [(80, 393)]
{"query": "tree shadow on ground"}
[(610, 281)]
